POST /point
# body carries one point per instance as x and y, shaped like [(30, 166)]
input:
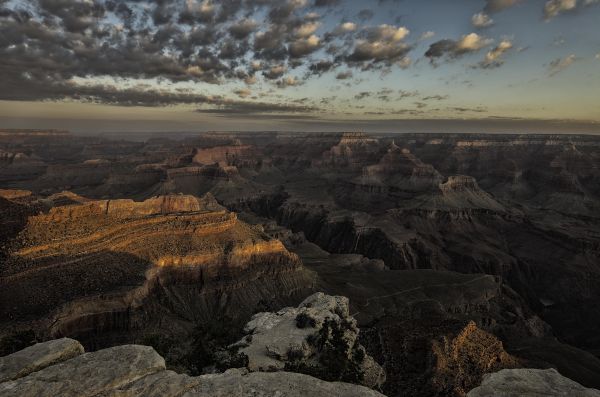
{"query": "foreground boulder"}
[(530, 382), (38, 357), (133, 370), (319, 338)]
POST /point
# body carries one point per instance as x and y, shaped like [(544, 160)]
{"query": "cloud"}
[(426, 35), (307, 29), (597, 56), (407, 94), (492, 6), (481, 20), (344, 28), (99, 50), (461, 109), (453, 49), (365, 15), (362, 95), (243, 92), (275, 72), (320, 67), (383, 44), (493, 57), (388, 33), (553, 8), (436, 98), (242, 28), (560, 64), (233, 107), (326, 3), (344, 75), (288, 81), (304, 46)]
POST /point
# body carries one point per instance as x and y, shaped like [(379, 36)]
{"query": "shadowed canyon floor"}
[(460, 255)]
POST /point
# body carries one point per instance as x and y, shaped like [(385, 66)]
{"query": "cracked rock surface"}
[(61, 368)]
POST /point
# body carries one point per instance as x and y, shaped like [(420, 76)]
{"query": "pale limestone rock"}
[(138, 371), (159, 384), (239, 383), (88, 374), (38, 357), (530, 382), (276, 339)]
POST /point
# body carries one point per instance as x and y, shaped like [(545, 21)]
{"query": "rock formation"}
[(426, 234), (62, 368), (116, 269), (241, 155), (530, 382), (319, 337)]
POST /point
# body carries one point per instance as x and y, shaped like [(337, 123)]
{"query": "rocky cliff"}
[(117, 270)]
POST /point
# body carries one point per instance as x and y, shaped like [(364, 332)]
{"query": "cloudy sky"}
[(381, 65)]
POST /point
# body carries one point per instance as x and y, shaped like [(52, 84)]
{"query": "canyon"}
[(459, 255)]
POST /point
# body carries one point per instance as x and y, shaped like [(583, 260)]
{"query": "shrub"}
[(303, 320)]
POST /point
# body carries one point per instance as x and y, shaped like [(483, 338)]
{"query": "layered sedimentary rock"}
[(402, 169), (19, 166), (396, 178), (397, 214), (240, 155), (110, 269), (351, 152), (463, 192), (133, 370)]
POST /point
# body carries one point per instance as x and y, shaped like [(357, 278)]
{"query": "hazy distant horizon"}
[(141, 127)]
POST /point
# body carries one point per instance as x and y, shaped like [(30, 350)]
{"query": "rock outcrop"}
[(37, 357), (133, 370), (242, 155), (530, 382), (112, 271), (318, 337)]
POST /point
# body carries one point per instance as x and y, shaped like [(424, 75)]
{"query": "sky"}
[(301, 65)]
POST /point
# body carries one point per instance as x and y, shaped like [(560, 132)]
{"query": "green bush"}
[(333, 361)]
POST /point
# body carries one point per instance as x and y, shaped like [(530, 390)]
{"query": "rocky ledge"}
[(530, 382), (61, 368)]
